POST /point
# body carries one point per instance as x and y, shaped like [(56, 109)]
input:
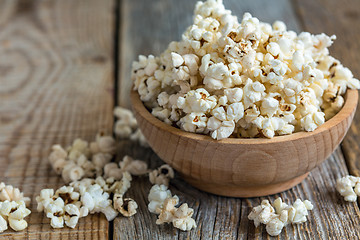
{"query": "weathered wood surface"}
[(56, 84), (147, 28)]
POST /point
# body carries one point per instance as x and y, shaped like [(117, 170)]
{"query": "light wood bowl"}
[(244, 167)]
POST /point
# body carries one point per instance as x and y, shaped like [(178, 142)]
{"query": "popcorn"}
[(126, 126), (123, 185), (82, 159), (14, 213), (137, 136), (134, 167), (198, 100), (105, 144), (96, 200), (101, 159), (127, 207), (3, 224), (162, 175), (126, 122), (157, 196), (72, 172), (279, 81), (180, 217), (112, 170), (194, 122), (162, 202), (61, 207), (278, 215), (8, 192), (348, 187)]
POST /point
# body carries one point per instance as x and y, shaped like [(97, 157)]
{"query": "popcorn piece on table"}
[(349, 187), (14, 213), (82, 159), (127, 206), (162, 175), (103, 144), (179, 217), (162, 202), (125, 123), (61, 207), (94, 199), (134, 167), (126, 126), (10, 193), (157, 196), (123, 185), (279, 215), (138, 136), (112, 170)]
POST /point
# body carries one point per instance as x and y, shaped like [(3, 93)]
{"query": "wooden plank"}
[(340, 18), (56, 71), (147, 28)]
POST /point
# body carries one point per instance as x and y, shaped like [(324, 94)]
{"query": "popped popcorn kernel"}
[(14, 214), (10, 193), (162, 175), (280, 214), (348, 187), (162, 202)]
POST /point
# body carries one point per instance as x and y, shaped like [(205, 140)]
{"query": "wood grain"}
[(146, 29), (57, 81), (339, 18)]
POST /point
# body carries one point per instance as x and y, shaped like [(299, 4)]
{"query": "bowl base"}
[(241, 191)]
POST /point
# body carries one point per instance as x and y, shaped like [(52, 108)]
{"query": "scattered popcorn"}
[(112, 170), (278, 215), (162, 175), (82, 159), (134, 167), (162, 202), (157, 196), (242, 79), (126, 126), (10, 193), (3, 224), (137, 136), (96, 200), (349, 187), (62, 207), (13, 212), (123, 185), (127, 206), (179, 217), (128, 164)]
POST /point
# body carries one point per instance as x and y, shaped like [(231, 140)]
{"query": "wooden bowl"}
[(244, 167)]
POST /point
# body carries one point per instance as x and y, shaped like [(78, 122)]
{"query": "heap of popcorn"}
[(248, 79)]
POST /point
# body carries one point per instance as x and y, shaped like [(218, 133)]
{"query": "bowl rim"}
[(351, 99)]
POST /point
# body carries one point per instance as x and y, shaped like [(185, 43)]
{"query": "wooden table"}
[(65, 64)]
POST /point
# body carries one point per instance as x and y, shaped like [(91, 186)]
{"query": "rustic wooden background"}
[(65, 64)]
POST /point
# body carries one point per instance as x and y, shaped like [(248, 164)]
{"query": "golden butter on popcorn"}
[(227, 78)]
